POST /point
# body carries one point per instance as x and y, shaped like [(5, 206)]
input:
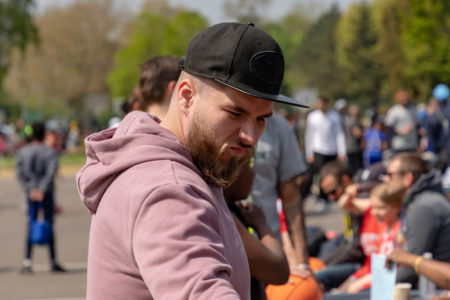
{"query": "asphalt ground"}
[(72, 231)]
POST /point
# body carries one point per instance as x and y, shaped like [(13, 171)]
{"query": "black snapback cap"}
[(240, 56)]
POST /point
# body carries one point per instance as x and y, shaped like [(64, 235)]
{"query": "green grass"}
[(75, 159)]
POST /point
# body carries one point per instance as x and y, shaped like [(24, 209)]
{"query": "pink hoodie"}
[(158, 231)]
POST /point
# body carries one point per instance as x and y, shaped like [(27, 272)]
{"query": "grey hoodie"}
[(158, 230), (426, 222)]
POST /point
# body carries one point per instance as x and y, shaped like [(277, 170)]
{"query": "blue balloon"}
[(441, 92)]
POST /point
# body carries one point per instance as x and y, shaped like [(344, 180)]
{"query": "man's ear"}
[(408, 179), (185, 95)]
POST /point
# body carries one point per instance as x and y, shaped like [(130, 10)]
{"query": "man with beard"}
[(425, 213), (160, 226)]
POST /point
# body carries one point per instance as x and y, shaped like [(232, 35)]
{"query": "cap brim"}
[(368, 185), (277, 98)]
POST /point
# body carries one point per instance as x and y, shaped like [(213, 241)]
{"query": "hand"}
[(342, 158), (300, 272), (400, 257), (310, 159), (305, 273), (36, 195), (253, 215), (444, 297), (405, 130), (352, 190)]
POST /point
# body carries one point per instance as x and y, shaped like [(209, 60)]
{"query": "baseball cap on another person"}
[(239, 56), (340, 104), (372, 176)]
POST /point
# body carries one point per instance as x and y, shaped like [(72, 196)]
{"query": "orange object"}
[(316, 264), (297, 288)]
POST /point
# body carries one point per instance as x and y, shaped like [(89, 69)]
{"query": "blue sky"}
[(212, 9)]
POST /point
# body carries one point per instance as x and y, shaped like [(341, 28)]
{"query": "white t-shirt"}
[(399, 117), (324, 134)]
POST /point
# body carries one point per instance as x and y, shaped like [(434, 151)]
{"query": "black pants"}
[(355, 162), (47, 208)]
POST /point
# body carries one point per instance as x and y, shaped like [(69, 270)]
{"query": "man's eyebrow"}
[(245, 112), (268, 115)]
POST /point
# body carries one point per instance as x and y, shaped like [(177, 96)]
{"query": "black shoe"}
[(58, 269)]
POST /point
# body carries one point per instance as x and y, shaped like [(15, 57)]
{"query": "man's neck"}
[(158, 110)]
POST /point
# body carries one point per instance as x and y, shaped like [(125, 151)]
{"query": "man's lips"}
[(237, 150)]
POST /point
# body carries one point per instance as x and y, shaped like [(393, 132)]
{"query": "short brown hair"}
[(336, 169), (386, 195), (156, 73), (411, 162)]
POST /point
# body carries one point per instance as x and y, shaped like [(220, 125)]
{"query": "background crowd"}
[(376, 140)]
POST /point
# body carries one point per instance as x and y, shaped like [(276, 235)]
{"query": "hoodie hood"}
[(138, 139), (430, 181)]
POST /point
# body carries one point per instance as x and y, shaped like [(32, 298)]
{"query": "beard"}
[(212, 161)]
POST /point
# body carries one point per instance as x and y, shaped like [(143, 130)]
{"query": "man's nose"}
[(249, 133)]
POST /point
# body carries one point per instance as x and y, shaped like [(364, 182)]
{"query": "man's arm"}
[(21, 175), (50, 172), (180, 246), (293, 209), (309, 131), (340, 141)]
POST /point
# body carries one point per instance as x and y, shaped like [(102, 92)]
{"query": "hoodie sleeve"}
[(177, 246), (421, 227)]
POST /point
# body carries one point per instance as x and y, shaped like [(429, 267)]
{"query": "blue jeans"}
[(335, 275)]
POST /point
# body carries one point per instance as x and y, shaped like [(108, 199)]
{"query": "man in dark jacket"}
[(36, 166), (425, 213)]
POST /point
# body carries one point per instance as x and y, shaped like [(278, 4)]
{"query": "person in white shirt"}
[(401, 121), (324, 136)]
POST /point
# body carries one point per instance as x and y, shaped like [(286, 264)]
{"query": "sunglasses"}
[(391, 174)]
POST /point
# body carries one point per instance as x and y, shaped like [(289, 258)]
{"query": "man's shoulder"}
[(153, 175), (429, 202)]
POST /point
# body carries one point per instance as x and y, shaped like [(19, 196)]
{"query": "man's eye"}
[(234, 114), (261, 120)]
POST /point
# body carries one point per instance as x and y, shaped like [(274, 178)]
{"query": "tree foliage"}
[(289, 33), (17, 29), (413, 44), (426, 42), (152, 34), (75, 54), (357, 54), (316, 60)]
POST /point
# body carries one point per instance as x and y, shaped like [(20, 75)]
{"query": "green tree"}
[(152, 34), (17, 29), (75, 54), (426, 42), (316, 59), (390, 53), (289, 33), (356, 50), (413, 44)]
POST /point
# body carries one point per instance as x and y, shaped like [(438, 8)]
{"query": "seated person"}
[(347, 258), (425, 212), (385, 206)]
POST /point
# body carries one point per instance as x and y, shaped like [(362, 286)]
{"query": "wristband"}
[(417, 264), (304, 266)]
